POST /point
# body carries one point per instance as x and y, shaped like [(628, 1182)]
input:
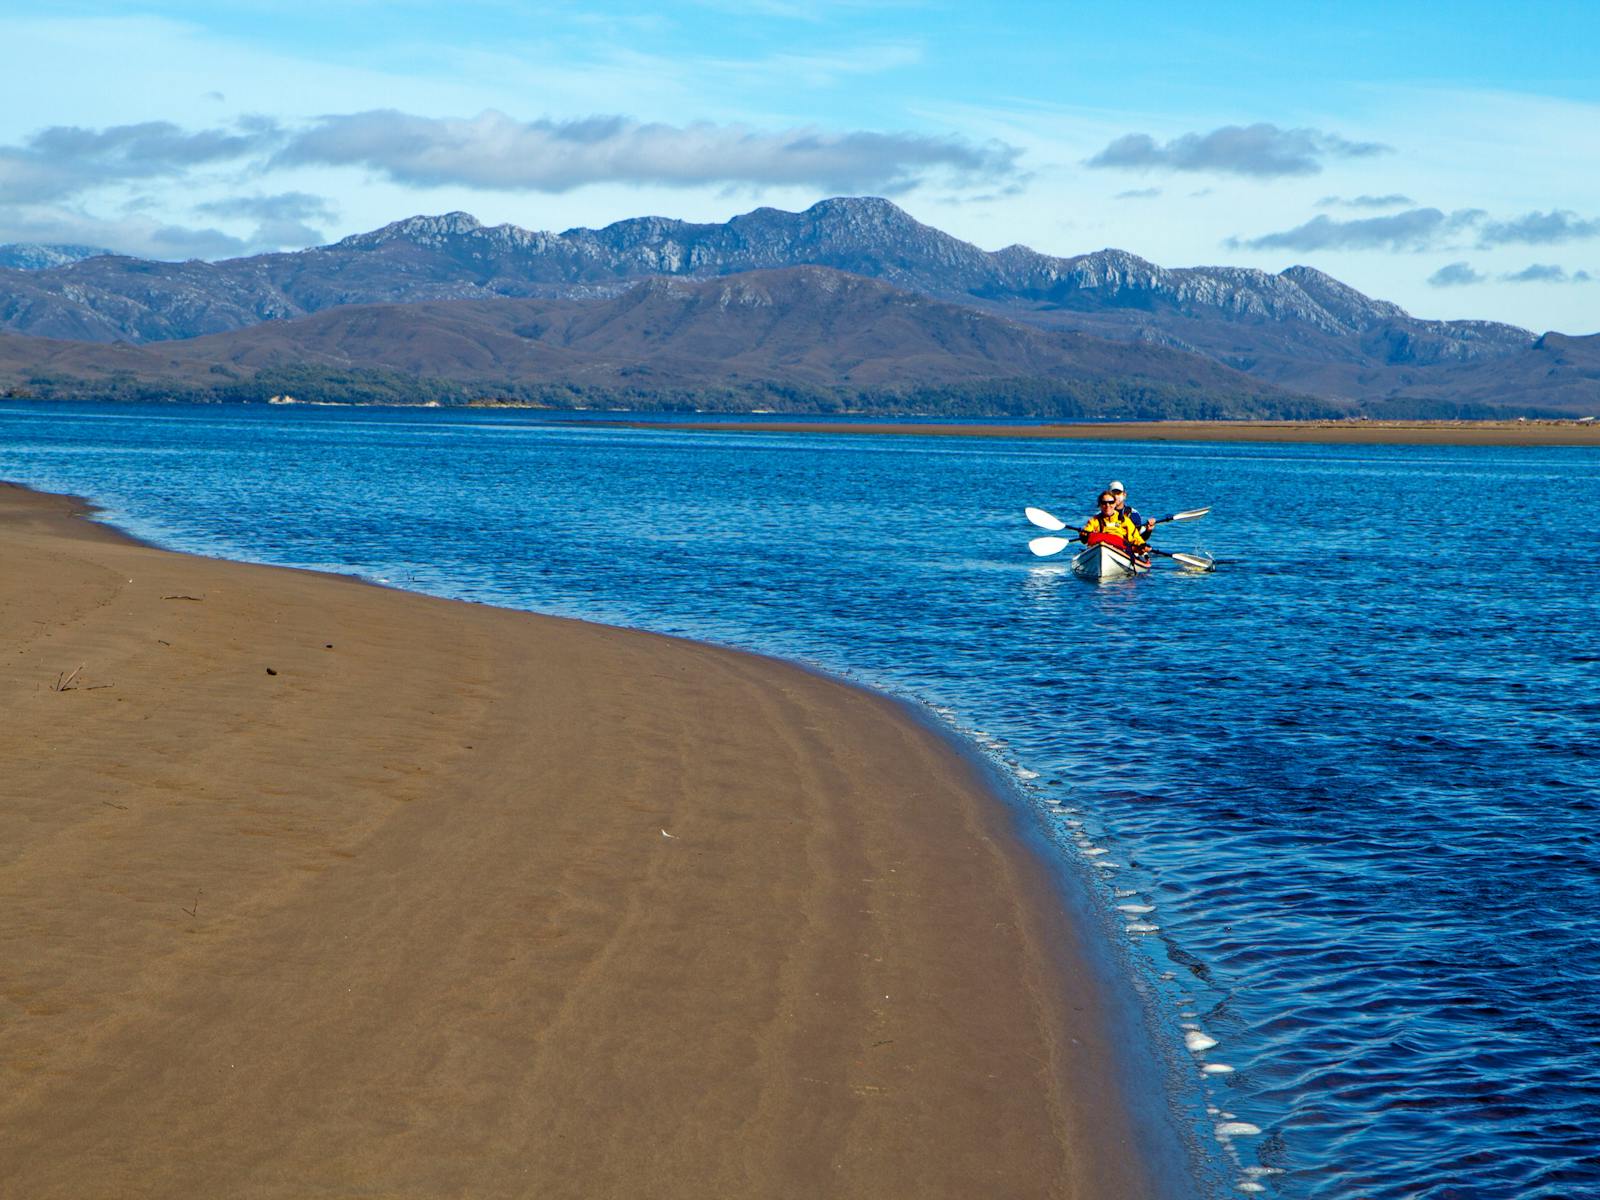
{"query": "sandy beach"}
[(1397, 433), (313, 888)]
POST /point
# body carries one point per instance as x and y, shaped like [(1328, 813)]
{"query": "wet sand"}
[(313, 888), (1398, 433)]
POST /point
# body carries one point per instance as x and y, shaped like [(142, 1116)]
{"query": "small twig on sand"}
[(110, 804), (195, 911), (196, 598), (64, 681)]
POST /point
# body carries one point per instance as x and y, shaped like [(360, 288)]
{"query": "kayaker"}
[(1109, 525), (1120, 495)]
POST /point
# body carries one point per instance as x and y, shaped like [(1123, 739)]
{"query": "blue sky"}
[(1445, 157)]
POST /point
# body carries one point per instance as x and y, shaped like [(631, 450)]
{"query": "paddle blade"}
[(1044, 547), (1188, 515), (1044, 520), (1193, 561)]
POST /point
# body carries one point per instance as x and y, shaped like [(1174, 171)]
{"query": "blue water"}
[(1354, 779)]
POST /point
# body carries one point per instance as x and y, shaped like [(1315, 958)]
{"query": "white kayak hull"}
[(1102, 563)]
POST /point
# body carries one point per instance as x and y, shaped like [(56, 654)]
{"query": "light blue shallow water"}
[(1355, 781)]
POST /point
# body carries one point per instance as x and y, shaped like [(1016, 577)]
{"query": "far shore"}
[(314, 888), (1351, 432)]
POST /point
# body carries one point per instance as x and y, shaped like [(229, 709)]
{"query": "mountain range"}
[(860, 306), (797, 339)]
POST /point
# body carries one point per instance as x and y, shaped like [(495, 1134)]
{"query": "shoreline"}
[(1551, 432), (1369, 433), (314, 886)]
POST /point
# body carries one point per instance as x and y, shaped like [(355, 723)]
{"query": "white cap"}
[(1115, 486)]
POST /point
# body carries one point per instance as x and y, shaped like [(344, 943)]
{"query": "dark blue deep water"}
[(1338, 803)]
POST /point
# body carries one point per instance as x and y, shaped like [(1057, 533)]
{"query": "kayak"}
[(1103, 562)]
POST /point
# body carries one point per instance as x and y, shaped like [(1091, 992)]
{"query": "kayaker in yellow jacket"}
[(1110, 525)]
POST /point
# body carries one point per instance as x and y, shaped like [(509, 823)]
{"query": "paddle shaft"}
[(1053, 523)]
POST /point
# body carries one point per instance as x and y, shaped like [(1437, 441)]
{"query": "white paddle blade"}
[(1044, 520), (1193, 562), (1045, 547), (1190, 515)]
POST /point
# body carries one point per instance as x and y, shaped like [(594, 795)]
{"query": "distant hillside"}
[(1300, 329), (801, 339), (1557, 374)]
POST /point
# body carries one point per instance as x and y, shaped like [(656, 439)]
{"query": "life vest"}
[(1116, 531)]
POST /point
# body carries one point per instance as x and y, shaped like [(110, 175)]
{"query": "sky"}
[(1442, 156)]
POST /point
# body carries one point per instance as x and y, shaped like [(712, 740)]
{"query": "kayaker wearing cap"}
[(1109, 525), (1120, 495)]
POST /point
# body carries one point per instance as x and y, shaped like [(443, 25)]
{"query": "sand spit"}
[(311, 888), (1395, 433)]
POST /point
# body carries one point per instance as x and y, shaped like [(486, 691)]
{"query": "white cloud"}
[(1261, 151), (65, 160), (1546, 273), (1414, 229), (1539, 229), (1425, 229), (495, 151), (282, 221), (1456, 274), (1392, 200)]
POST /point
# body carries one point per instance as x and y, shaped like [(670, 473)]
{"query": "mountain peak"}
[(875, 205), (1343, 301), (872, 212), (424, 230)]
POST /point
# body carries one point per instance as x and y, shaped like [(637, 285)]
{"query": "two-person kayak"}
[(1104, 562)]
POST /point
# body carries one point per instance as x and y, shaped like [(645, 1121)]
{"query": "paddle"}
[(1193, 561), (1045, 520), (1046, 546)]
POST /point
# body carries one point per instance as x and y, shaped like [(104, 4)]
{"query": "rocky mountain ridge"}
[(876, 238), (1300, 328)]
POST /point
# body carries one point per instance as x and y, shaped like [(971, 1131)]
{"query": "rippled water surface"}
[(1339, 801)]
